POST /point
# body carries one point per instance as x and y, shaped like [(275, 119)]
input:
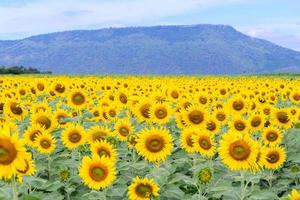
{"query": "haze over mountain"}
[(197, 49)]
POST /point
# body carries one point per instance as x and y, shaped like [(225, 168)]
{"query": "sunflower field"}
[(139, 138)]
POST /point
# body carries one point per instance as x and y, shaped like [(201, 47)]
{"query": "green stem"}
[(105, 193), (246, 186), (135, 155), (68, 196), (199, 189), (49, 167), (15, 193), (270, 179), (243, 187), (211, 162)]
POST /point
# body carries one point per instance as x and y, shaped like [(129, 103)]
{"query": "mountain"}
[(197, 49)]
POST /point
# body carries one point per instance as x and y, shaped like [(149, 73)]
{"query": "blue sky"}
[(274, 20)]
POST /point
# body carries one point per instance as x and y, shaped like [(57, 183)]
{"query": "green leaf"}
[(117, 191), (94, 195), (178, 177), (198, 197), (172, 192), (30, 197), (36, 182), (53, 186), (262, 195), (44, 196), (223, 188)]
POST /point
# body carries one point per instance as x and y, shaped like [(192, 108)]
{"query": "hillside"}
[(198, 49)]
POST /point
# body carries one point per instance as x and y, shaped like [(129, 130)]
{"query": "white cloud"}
[(284, 34), (56, 15)]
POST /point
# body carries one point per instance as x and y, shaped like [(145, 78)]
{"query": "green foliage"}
[(178, 177), (20, 70)]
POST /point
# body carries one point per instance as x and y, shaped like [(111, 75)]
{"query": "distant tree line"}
[(21, 70)]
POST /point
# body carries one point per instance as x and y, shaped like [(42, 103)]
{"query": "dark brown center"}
[(8, 152), (196, 117), (239, 150)]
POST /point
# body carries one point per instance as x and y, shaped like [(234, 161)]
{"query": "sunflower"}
[(154, 144), (272, 136), (297, 117), (1, 107), (73, 136), (12, 153), (45, 143), (237, 105), (29, 169), (273, 157), (204, 143), (194, 116), (77, 99), (183, 104), (122, 129), (256, 122), (142, 189), (295, 97), (61, 115), (239, 124), (220, 115), (33, 91), (295, 195), (223, 91), (104, 149), (96, 114), (253, 106), (267, 110), (14, 110), (259, 166), (294, 111), (261, 99), (238, 151), (98, 133), (160, 113), (122, 97), (8, 124), (103, 103), (97, 172), (179, 121), (203, 98), (111, 112), (22, 91), (31, 133), (282, 118), (40, 106), (186, 141), (173, 93), (103, 115), (158, 96), (58, 89), (132, 140), (40, 85), (212, 126), (43, 119), (142, 110)]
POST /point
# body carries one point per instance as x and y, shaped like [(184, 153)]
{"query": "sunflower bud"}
[(64, 175), (205, 175), (294, 168)]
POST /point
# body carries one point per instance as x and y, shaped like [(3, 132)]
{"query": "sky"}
[(275, 20)]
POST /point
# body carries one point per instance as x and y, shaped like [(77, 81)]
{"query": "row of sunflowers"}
[(138, 138)]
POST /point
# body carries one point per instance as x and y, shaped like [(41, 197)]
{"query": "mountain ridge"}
[(178, 49)]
